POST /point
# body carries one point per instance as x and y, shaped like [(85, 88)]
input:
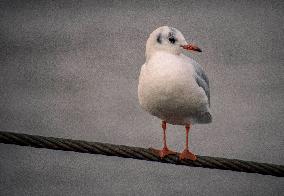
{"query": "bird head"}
[(168, 39)]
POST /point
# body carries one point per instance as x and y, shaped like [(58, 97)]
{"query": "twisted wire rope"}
[(138, 153)]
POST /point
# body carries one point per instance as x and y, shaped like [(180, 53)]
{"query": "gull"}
[(172, 86)]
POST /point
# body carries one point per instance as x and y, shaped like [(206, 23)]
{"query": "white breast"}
[(167, 87)]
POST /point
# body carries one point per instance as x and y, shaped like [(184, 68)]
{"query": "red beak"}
[(191, 47)]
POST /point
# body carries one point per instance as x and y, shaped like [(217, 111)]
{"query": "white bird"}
[(172, 86)]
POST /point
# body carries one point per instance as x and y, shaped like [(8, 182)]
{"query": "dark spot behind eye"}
[(159, 38)]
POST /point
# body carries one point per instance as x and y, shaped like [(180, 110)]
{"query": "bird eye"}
[(172, 40)]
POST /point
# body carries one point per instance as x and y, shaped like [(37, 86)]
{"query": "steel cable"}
[(138, 153)]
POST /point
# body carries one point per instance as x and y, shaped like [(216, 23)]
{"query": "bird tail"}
[(204, 118)]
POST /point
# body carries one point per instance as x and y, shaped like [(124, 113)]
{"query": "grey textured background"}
[(70, 69)]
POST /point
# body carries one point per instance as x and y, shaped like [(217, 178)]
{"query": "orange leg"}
[(165, 151), (186, 154)]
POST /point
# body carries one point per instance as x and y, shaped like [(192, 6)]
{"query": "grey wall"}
[(70, 69)]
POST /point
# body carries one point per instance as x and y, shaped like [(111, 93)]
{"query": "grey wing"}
[(202, 80)]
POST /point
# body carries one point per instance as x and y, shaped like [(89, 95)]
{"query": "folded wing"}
[(202, 80)]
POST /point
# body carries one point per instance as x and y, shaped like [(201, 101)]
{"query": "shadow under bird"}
[(172, 86)]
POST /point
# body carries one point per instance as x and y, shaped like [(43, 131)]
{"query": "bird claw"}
[(186, 154), (162, 153)]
